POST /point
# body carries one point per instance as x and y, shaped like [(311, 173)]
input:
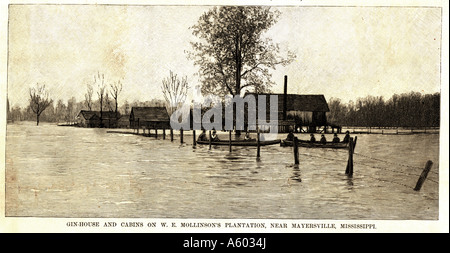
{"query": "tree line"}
[(405, 110)]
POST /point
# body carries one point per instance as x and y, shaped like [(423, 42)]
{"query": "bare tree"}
[(88, 96), (116, 88), (99, 80), (174, 91), (39, 100)]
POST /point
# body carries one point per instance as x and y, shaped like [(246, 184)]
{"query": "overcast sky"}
[(342, 52)]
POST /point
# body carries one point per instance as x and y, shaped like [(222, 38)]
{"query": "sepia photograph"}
[(228, 117)]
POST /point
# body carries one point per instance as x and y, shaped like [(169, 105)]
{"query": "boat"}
[(308, 144), (240, 142)]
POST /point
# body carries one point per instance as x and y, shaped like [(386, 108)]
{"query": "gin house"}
[(300, 113)]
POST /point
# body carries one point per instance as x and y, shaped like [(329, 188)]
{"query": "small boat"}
[(240, 142), (308, 144)]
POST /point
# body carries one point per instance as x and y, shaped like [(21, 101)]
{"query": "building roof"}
[(296, 102), (150, 114), (308, 103), (91, 114)]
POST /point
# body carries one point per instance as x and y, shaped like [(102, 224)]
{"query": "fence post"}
[(349, 169), (181, 135), (194, 142), (295, 144), (138, 126), (156, 133), (164, 133), (423, 176), (258, 153), (210, 139), (171, 134), (229, 143)]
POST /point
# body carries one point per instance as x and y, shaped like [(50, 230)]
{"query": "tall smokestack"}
[(285, 99)]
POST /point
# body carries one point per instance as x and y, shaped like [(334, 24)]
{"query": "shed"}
[(155, 117), (96, 119), (297, 111)]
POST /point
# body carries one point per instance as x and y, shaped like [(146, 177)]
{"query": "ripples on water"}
[(74, 172)]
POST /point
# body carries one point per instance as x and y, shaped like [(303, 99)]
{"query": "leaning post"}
[(423, 176), (295, 144), (349, 169)]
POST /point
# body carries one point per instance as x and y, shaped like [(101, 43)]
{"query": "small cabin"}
[(123, 121), (155, 117), (304, 113), (96, 119), (87, 119)]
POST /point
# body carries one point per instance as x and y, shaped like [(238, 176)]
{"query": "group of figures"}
[(323, 139)]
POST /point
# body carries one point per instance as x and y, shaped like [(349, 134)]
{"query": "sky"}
[(342, 52)]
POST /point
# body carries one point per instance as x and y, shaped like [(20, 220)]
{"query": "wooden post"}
[(194, 141), (164, 133), (229, 143), (296, 161), (258, 153), (156, 133), (138, 126), (210, 139), (171, 134), (181, 135), (423, 176), (349, 169)]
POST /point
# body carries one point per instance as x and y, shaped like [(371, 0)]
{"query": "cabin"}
[(124, 121), (300, 113), (87, 119), (109, 119), (96, 119), (155, 117)]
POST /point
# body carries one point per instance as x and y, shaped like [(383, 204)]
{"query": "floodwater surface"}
[(54, 171)]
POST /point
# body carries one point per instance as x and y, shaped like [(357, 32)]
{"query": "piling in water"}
[(258, 144), (349, 169), (295, 148), (423, 176)]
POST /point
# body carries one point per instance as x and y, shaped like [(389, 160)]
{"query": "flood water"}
[(55, 171)]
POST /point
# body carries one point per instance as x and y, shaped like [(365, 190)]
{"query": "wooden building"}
[(96, 119), (300, 113), (123, 121), (149, 118)]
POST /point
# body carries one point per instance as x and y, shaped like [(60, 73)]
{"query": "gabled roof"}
[(308, 103), (296, 102), (150, 114), (91, 114), (86, 114)]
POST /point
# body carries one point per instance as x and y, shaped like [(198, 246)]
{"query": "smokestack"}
[(285, 99)]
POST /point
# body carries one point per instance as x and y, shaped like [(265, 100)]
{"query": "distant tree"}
[(39, 100), (88, 96), (115, 90), (233, 53), (174, 91), (99, 81)]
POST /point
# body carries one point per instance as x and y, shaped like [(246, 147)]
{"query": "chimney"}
[(285, 99)]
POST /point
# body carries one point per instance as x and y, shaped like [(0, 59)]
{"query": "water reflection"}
[(296, 173)]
